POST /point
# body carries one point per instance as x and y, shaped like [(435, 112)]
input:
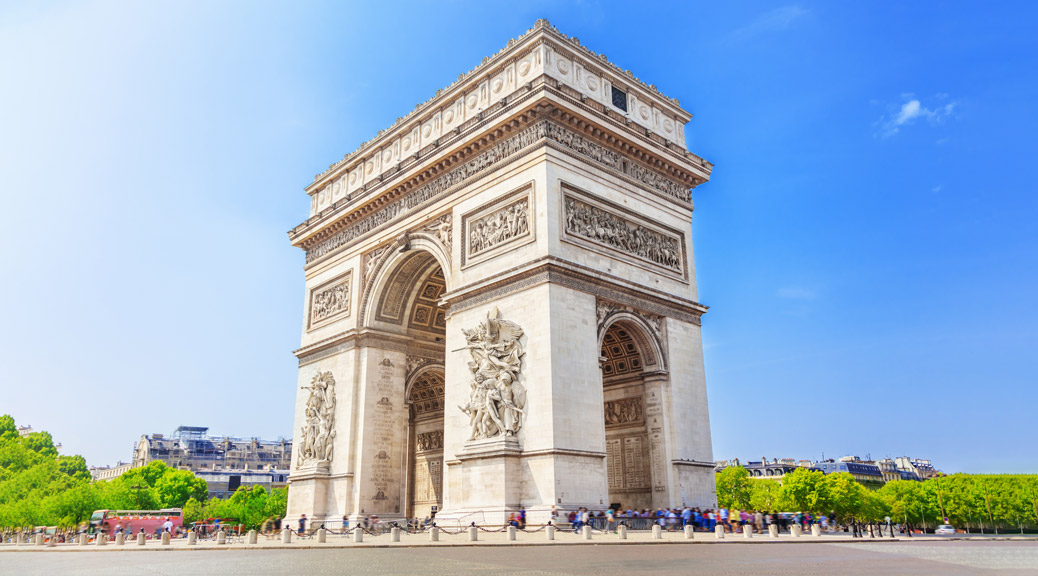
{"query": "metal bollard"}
[(622, 531), (221, 538), (690, 532), (549, 532), (166, 536), (83, 539), (747, 531), (322, 536), (254, 537), (395, 533), (102, 539), (120, 539), (286, 535), (511, 532), (358, 535), (434, 534), (719, 532), (141, 538), (473, 534), (816, 530), (796, 530), (192, 538), (657, 532), (773, 531)]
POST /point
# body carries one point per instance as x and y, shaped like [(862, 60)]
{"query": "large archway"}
[(625, 353), (405, 293)]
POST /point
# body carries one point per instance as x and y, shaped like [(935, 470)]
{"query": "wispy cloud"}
[(913, 110), (773, 20), (796, 294)]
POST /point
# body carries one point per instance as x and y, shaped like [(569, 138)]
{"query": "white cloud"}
[(796, 294), (773, 20), (911, 111)]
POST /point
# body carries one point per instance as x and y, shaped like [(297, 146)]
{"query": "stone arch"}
[(420, 374), (644, 335), (392, 270)]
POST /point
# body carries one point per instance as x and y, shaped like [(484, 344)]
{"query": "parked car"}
[(945, 529)]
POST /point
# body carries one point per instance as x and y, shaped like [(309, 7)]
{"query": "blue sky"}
[(867, 245)]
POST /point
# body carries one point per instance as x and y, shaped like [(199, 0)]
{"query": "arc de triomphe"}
[(500, 306)]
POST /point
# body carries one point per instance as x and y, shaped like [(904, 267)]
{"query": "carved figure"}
[(497, 402), (498, 227), (607, 228), (318, 430)]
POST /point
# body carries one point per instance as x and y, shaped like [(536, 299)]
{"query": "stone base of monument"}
[(311, 495), (486, 473)]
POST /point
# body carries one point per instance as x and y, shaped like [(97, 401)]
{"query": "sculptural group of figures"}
[(317, 432), (328, 302), (498, 399), (607, 228), (502, 225)]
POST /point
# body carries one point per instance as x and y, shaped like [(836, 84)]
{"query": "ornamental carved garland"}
[(491, 158)]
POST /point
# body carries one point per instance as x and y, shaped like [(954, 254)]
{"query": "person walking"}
[(302, 524)]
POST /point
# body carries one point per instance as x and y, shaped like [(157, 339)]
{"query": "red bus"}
[(132, 521)]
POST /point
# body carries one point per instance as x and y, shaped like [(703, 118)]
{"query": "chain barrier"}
[(542, 528)]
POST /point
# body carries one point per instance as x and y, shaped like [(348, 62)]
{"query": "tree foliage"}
[(972, 501), (39, 487)]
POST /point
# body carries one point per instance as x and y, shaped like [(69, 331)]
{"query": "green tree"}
[(801, 491), (277, 503), (175, 487), (765, 495), (733, 487)]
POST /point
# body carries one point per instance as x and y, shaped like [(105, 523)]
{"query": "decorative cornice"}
[(542, 132)]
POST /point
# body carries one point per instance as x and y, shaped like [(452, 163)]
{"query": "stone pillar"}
[(511, 532), (690, 532), (322, 536), (816, 530), (719, 532), (773, 531), (221, 538), (83, 539), (586, 531), (39, 540), (166, 536), (434, 534), (796, 530), (622, 531), (473, 534), (192, 538), (550, 531), (286, 535), (358, 535), (657, 532), (52, 542), (102, 539), (747, 531), (395, 533), (141, 538), (253, 537), (657, 424), (120, 539)]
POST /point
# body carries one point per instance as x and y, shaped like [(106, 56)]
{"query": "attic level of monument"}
[(543, 116), (543, 62)]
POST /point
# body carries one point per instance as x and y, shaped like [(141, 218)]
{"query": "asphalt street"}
[(959, 557)]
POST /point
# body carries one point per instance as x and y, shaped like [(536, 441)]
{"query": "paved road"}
[(1004, 558)]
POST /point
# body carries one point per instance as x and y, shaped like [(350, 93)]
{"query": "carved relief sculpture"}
[(498, 399), (623, 411), (603, 227), (329, 301), (430, 441), (499, 227), (318, 430)]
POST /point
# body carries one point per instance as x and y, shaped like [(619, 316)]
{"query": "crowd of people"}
[(674, 519)]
